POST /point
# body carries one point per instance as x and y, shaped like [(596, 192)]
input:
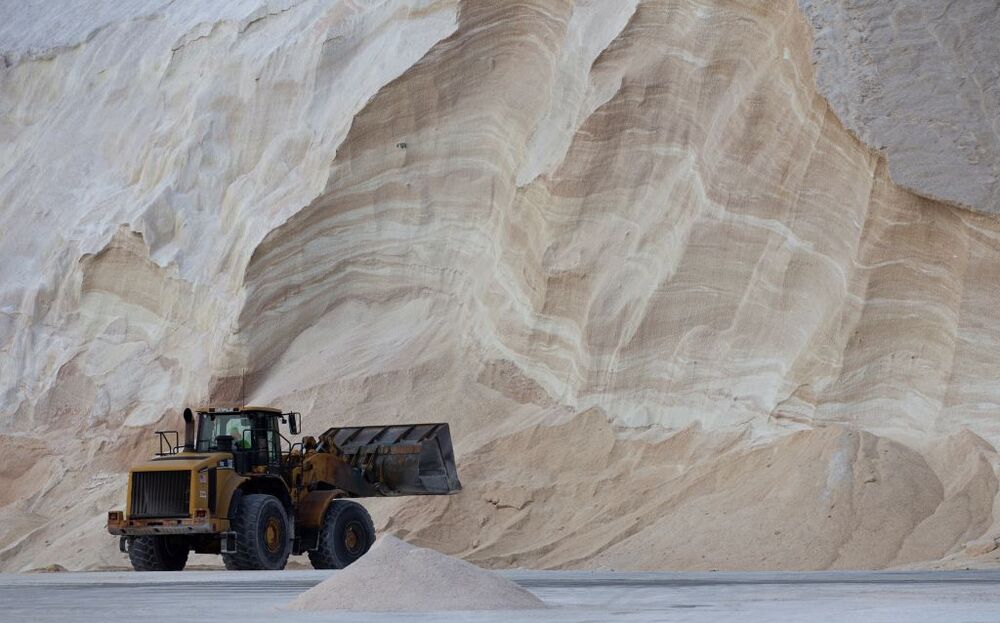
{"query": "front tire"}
[(263, 539), (346, 534), (158, 553)]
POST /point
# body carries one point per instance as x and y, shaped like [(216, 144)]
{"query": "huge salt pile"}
[(397, 576)]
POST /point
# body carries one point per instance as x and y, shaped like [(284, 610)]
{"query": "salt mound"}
[(396, 576)]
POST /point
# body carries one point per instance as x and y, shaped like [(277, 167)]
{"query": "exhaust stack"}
[(188, 431)]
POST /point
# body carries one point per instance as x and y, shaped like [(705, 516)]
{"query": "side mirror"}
[(293, 423)]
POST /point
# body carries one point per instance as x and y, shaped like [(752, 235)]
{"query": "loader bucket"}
[(409, 459)]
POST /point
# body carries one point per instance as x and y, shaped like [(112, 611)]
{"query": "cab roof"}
[(246, 408)]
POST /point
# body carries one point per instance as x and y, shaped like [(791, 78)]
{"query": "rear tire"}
[(158, 553), (263, 540), (346, 534)]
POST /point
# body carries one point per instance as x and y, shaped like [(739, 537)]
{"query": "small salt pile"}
[(398, 577)]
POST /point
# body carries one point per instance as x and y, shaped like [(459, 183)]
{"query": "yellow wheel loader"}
[(240, 488)]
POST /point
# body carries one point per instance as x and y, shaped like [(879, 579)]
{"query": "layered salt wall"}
[(677, 315)]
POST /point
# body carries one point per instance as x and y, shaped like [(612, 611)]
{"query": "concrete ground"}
[(574, 596)]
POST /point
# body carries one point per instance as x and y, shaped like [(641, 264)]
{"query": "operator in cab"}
[(236, 432)]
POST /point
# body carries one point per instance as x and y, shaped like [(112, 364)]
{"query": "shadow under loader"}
[(239, 488)]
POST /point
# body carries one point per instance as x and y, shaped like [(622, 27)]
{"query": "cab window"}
[(211, 426)]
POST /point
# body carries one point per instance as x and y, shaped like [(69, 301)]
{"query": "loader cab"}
[(250, 433)]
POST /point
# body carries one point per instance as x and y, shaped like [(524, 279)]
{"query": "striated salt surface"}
[(634, 228)]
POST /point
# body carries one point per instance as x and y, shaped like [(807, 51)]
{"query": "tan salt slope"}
[(397, 576), (577, 495), (608, 215)]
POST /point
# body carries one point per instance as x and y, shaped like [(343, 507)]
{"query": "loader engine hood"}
[(174, 486), (183, 461)]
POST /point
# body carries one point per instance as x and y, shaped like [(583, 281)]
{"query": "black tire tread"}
[(148, 553), (244, 558), (325, 555)]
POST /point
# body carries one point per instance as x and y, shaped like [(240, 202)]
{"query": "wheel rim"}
[(272, 534), (354, 539)]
